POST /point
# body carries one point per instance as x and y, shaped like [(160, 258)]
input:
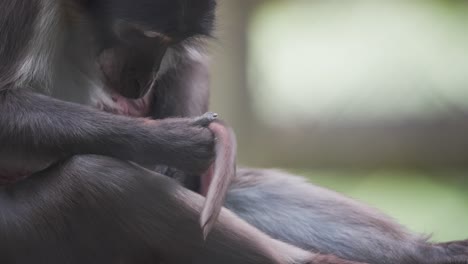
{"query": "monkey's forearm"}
[(36, 126)]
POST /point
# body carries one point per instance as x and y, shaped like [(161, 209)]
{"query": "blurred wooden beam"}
[(436, 143)]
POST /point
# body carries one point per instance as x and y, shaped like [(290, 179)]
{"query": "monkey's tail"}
[(455, 252), (216, 181)]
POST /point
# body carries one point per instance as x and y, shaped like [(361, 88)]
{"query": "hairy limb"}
[(93, 209), (38, 130), (313, 218), (183, 90)]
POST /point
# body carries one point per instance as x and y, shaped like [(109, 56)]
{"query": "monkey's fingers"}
[(216, 182), (206, 119)]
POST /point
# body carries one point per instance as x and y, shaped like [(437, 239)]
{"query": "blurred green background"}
[(369, 98)]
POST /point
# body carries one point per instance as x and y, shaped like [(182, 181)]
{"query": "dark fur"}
[(39, 130), (92, 209)]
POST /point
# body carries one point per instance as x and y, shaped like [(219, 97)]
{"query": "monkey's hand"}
[(215, 181), (190, 144)]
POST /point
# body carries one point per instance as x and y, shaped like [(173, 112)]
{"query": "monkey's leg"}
[(93, 209), (313, 218)]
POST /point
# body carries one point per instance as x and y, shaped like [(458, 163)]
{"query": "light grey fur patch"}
[(173, 56), (195, 53), (39, 62), (170, 61)]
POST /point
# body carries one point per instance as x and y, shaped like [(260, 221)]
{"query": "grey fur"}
[(316, 219)]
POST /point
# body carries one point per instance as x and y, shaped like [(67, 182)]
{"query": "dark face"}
[(175, 18), (135, 34)]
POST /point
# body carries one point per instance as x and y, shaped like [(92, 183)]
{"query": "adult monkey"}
[(73, 207), (110, 48), (106, 205)]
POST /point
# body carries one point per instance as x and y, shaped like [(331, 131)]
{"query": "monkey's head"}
[(135, 35)]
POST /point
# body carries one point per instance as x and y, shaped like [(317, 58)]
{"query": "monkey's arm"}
[(183, 91), (36, 127)]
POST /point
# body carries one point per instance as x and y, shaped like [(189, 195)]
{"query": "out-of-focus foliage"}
[(359, 59)]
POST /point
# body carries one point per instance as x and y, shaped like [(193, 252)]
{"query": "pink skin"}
[(128, 107), (205, 180), (7, 177)]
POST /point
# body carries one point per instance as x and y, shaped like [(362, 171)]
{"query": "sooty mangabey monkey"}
[(114, 50), (142, 59), (79, 81)]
